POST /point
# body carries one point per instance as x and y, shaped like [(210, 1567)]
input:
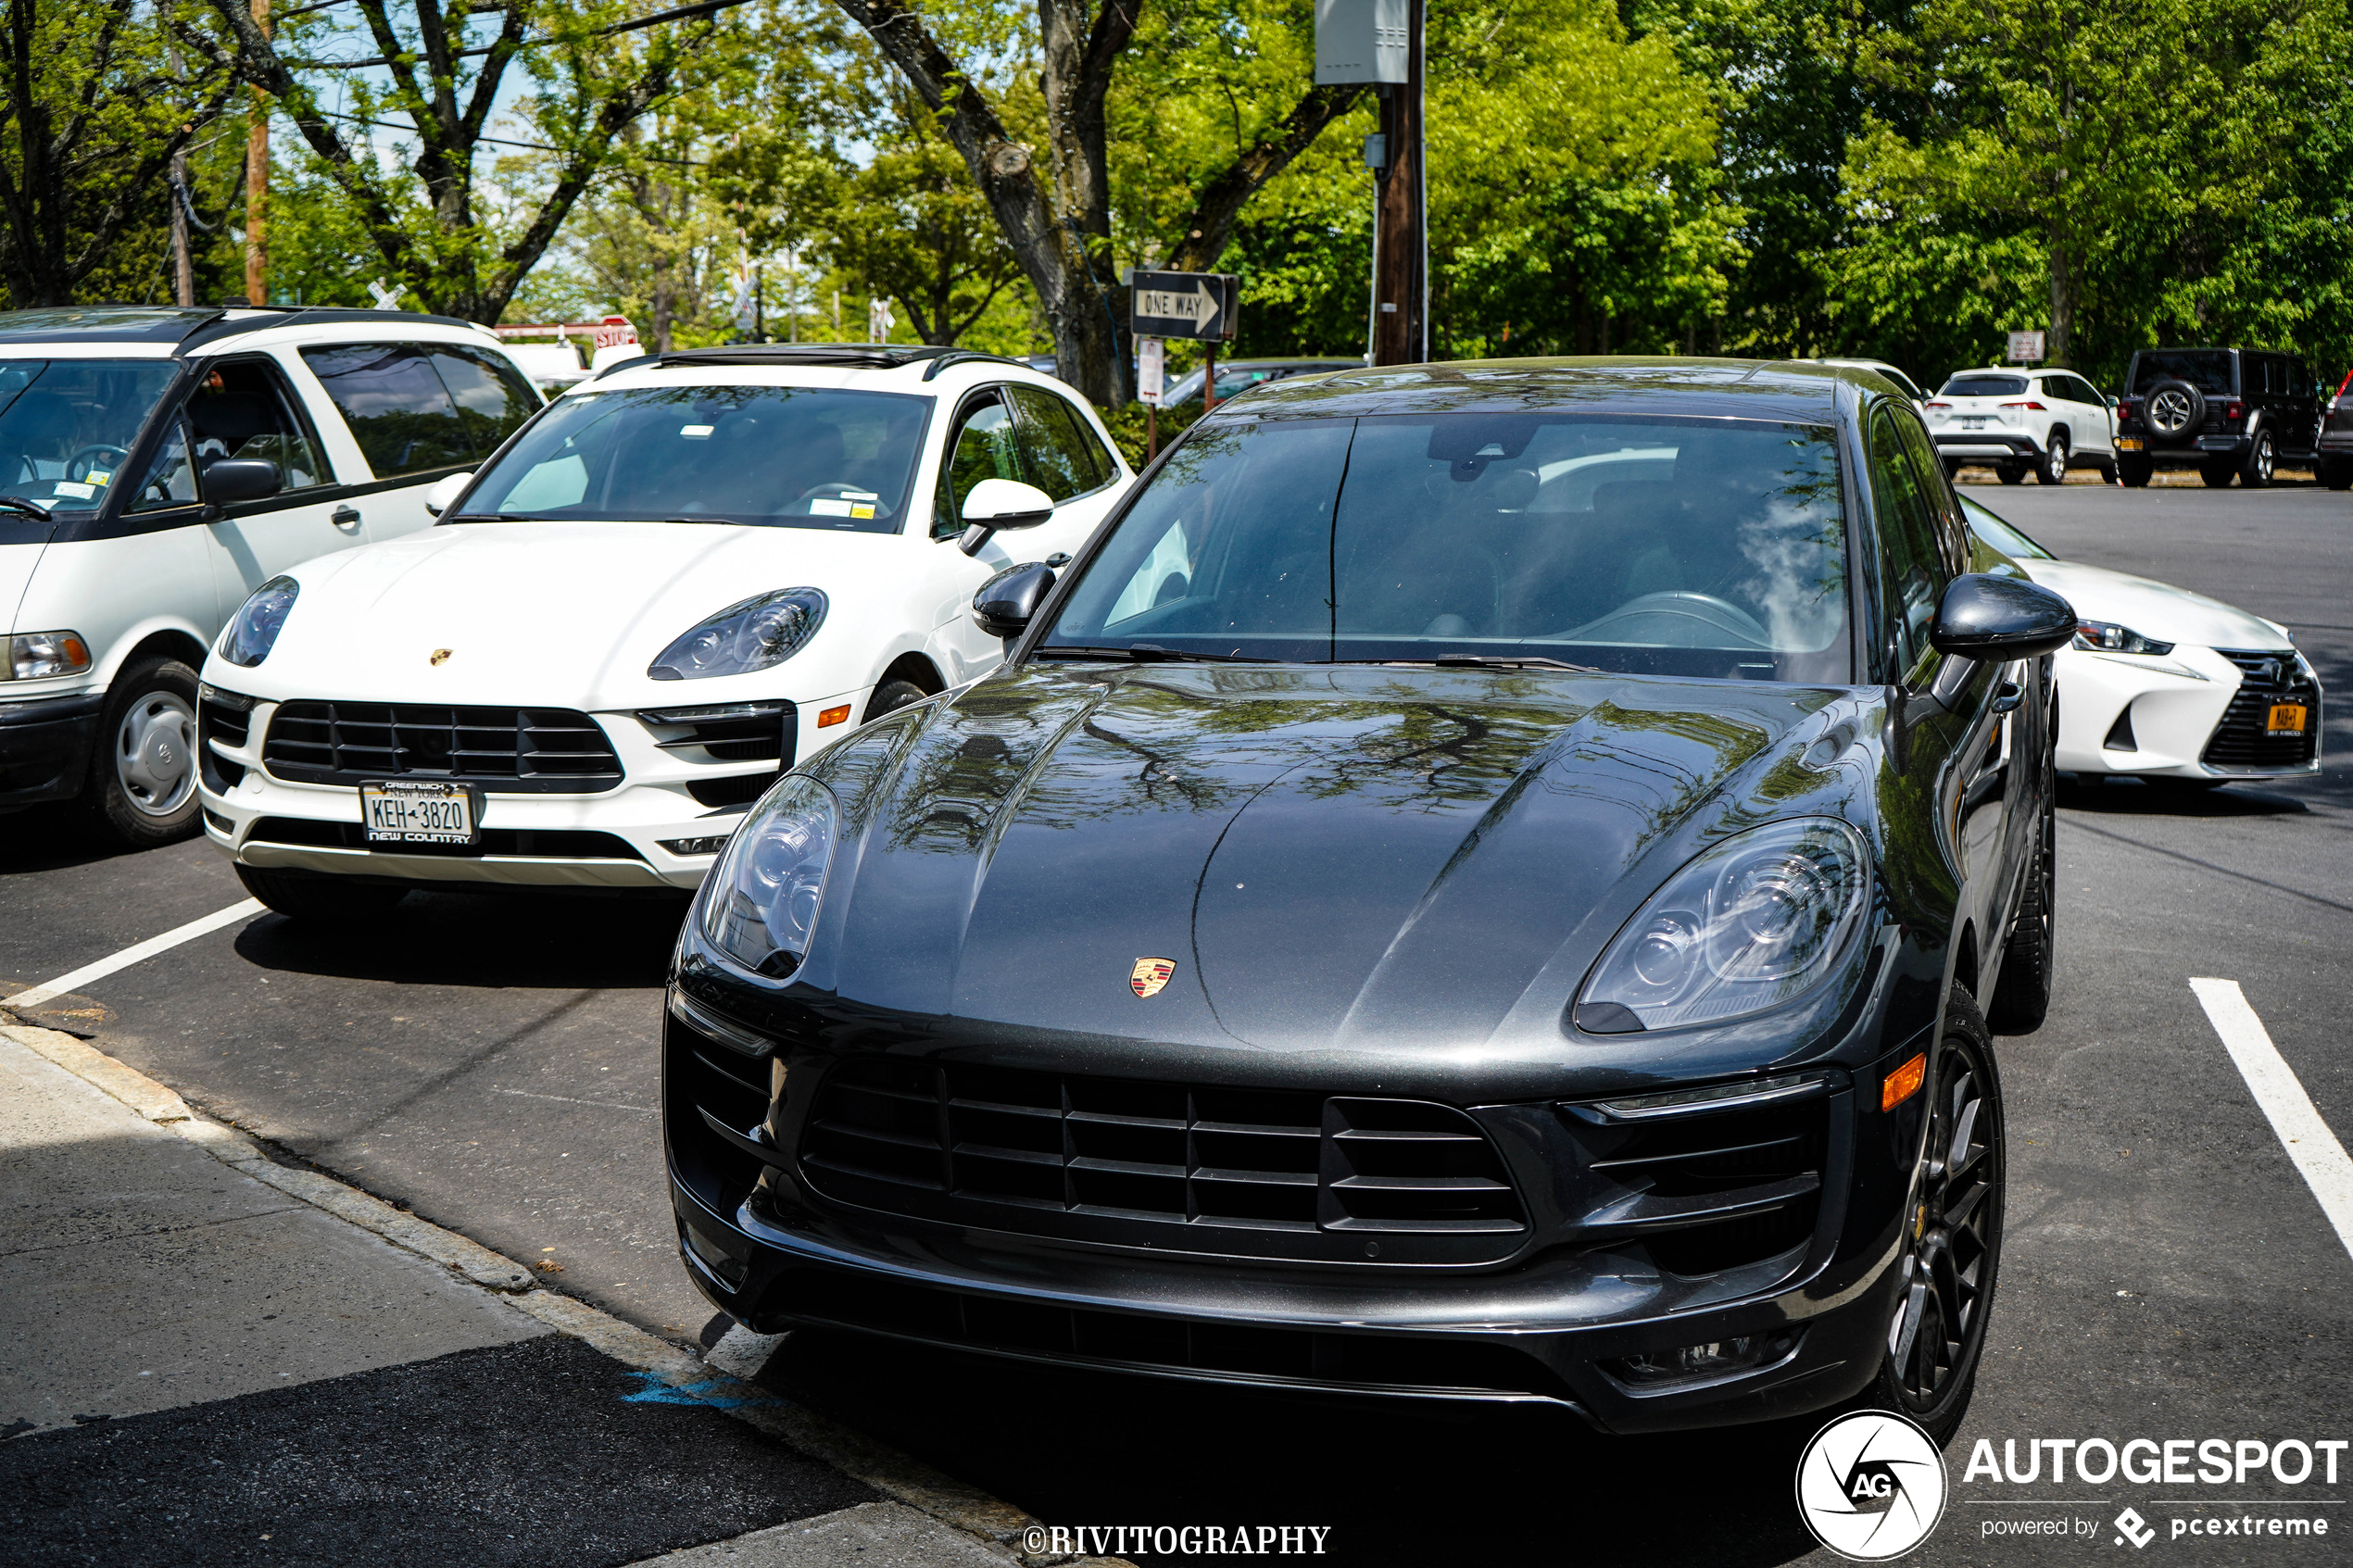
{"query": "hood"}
[(1332, 857), (2157, 611), (567, 613)]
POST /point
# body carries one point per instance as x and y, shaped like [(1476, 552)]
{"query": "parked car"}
[(1404, 925), (2334, 467), (1901, 382), (681, 579), (156, 466), (2031, 420), (2164, 685), (2222, 411), (1238, 376), (553, 367)]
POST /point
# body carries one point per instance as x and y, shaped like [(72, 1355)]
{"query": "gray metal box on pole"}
[(1362, 41)]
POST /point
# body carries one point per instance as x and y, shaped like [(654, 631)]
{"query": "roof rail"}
[(863, 356)]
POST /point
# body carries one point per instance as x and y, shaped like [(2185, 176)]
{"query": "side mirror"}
[(445, 493), (1006, 602), (228, 481), (1002, 503), (2000, 619)]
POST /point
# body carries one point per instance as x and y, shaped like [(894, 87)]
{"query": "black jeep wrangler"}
[(2221, 411)]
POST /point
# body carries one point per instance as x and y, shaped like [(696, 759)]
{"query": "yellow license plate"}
[(2128, 444), (2288, 719)]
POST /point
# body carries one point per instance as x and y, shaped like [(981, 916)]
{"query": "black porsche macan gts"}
[(1482, 881)]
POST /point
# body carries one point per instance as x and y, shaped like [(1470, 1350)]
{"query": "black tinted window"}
[(399, 412), (1985, 387), (1912, 574), (1058, 454), (980, 447), (2208, 369), (493, 399)]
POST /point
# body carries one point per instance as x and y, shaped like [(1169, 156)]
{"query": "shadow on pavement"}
[(553, 941), (2136, 797), (54, 837)]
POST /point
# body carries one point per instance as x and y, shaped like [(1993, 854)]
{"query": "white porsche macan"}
[(677, 580), (2164, 685)]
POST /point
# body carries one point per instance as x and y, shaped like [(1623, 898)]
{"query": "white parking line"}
[(74, 980), (2307, 1138)]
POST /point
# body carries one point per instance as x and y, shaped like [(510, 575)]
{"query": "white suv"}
[(2021, 421), (685, 575), (158, 465)]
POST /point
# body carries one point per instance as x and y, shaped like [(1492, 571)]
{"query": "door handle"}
[(2006, 700), (344, 516)]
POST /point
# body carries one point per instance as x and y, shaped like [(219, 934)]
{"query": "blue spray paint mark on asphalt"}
[(657, 1392)]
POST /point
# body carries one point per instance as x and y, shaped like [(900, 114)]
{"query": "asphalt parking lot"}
[(490, 1063)]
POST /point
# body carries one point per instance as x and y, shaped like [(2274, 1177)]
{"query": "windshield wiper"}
[(1146, 652), (1484, 661), (34, 509)]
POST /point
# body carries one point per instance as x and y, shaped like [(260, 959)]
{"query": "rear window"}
[(2208, 369), (1985, 387)]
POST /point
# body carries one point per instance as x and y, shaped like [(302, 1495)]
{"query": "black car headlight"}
[(253, 631), (761, 903), (764, 630), (2101, 636), (1750, 924)]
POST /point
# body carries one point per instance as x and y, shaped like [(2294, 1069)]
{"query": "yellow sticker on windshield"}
[(100, 478), (862, 511)]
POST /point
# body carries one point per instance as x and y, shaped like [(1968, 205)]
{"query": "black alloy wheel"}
[(2261, 456), (2052, 469), (1938, 1332), (2176, 411)]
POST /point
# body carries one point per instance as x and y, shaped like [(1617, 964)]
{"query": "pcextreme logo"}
[(1871, 1486)]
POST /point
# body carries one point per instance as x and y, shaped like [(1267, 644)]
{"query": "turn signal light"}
[(1903, 1083), (2236, 411), (834, 716)]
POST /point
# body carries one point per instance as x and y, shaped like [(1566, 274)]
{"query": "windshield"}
[(784, 456), (67, 426), (1703, 548), (2002, 535), (2208, 369), (1984, 386)]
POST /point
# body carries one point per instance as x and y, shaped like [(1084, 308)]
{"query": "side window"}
[(241, 410), (1944, 509), (399, 413), (2299, 380), (1059, 453), (1912, 571), (980, 447), (170, 481), (493, 399)]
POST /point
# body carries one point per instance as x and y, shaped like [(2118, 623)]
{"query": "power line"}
[(498, 141), (701, 9)]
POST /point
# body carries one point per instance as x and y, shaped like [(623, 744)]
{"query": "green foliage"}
[(1129, 427)]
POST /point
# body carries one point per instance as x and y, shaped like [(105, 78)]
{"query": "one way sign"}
[(1186, 304)]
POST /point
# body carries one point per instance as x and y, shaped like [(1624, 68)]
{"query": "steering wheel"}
[(80, 473), (831, 488), (1699, 612)]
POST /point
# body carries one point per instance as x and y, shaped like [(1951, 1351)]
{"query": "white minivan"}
[(157, 465)]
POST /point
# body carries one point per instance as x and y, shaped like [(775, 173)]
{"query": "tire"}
[(1950, 1267), (2175, 413), (2023, 995), (2051, 469), (2134, 473), (141, 790), (2217, 475), (2262, 455), (2011, 473), (891, 697), (324, 900), (2337, 474)]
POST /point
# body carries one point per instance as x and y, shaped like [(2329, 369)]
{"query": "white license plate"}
[(419, 811), (1972, 421)]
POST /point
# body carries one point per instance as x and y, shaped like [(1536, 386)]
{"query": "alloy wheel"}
[(1957, 1224), (2169, 412), (155, 754), (2264, 457), (2055, 461)]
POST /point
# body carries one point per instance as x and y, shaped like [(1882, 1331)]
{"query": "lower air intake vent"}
[(1200, 1168)]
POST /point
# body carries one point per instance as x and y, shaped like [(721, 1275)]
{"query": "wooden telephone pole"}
[(257, 185), (1400, 231)]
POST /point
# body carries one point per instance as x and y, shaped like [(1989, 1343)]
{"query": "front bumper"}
[(44, 746), (2168, 716)]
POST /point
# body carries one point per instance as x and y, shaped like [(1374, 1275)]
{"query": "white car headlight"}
[(2101, 636), (762, 631), (253, 631), (761, 903), (1750, 924)]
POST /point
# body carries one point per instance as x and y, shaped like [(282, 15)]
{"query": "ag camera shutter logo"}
[(1871, 1486)]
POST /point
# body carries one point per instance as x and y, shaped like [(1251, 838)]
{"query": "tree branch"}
[(1221, 201)]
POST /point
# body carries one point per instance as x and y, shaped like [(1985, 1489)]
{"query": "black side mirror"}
[(228, 481), (2000, 619), (1006, 602)]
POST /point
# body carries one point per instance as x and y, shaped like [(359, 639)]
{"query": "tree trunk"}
[(2063, 281)]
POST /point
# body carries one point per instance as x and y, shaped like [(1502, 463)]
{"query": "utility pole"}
[(257, 184), (184, 266), (1380, 42)]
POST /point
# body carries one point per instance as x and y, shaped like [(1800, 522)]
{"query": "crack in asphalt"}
[(2210, 866)]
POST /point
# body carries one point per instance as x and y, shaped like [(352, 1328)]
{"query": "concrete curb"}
[(882, 1467)]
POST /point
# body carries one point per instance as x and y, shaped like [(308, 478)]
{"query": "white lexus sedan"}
[(677, 580), (2165, 685)]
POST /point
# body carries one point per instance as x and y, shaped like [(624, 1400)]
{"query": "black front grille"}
[(2242, 740), (1202, 1168), (740, 790), (1703, 1190), (517, 750), (569, 844), (1167, 1344)]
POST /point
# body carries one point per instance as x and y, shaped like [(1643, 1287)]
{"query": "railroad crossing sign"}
[(1187, 305)]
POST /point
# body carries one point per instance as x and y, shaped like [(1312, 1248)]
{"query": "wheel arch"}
[(917, 668), (1965, 960), (169, 642)]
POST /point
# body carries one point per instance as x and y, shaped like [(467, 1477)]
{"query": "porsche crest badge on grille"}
[(1151, 975), (440, 654)]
